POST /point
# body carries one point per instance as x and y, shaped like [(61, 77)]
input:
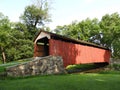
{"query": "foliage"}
[(111, 31), (4, 34), (115, 67), (16, 38), (14, 41), (80, 30), (105, 32), (36, 16)]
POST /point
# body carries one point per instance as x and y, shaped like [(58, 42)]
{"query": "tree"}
[(36, 15), (14, 42), (3, 43), (22, 28), (105, 32), (110, 26), (4, 40), (20, 46), (80, 30)]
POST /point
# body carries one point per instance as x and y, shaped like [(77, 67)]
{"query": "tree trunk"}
[(3, 55)]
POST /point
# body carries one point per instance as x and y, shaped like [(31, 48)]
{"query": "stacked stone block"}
[(38, 66)]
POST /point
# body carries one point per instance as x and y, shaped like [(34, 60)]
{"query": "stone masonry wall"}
[(38, 66)]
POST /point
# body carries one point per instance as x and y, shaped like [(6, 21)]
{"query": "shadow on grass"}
[(85, 68)]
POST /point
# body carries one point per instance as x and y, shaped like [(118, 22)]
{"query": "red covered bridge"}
[(72, 51)]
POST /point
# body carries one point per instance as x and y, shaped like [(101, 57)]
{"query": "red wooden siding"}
[(76, 53), (38, 50)]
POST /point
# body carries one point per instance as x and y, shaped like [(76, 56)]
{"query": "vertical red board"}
[(77, 54)]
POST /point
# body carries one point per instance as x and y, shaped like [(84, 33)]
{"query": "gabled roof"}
[(63, 38)]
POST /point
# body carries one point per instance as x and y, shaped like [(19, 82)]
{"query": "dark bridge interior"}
[(43, 47)]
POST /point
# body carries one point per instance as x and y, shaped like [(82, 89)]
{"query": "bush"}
[(116, 67)]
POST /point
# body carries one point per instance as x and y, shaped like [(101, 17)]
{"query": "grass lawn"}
[(89, 81), (105, 80)]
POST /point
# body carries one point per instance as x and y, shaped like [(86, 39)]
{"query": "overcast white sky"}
[(64, 11)]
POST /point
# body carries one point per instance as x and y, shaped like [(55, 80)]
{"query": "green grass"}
[(80, 67), (109, 72), (64, 82), (104, 80)]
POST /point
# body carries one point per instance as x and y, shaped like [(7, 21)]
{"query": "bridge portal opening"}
[(42, 46)]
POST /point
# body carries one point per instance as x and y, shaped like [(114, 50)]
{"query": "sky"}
[(63, 12)]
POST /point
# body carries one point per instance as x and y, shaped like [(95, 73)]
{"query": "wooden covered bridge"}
[(72, 51)]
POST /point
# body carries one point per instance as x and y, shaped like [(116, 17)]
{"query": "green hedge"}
[(115, 67)]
